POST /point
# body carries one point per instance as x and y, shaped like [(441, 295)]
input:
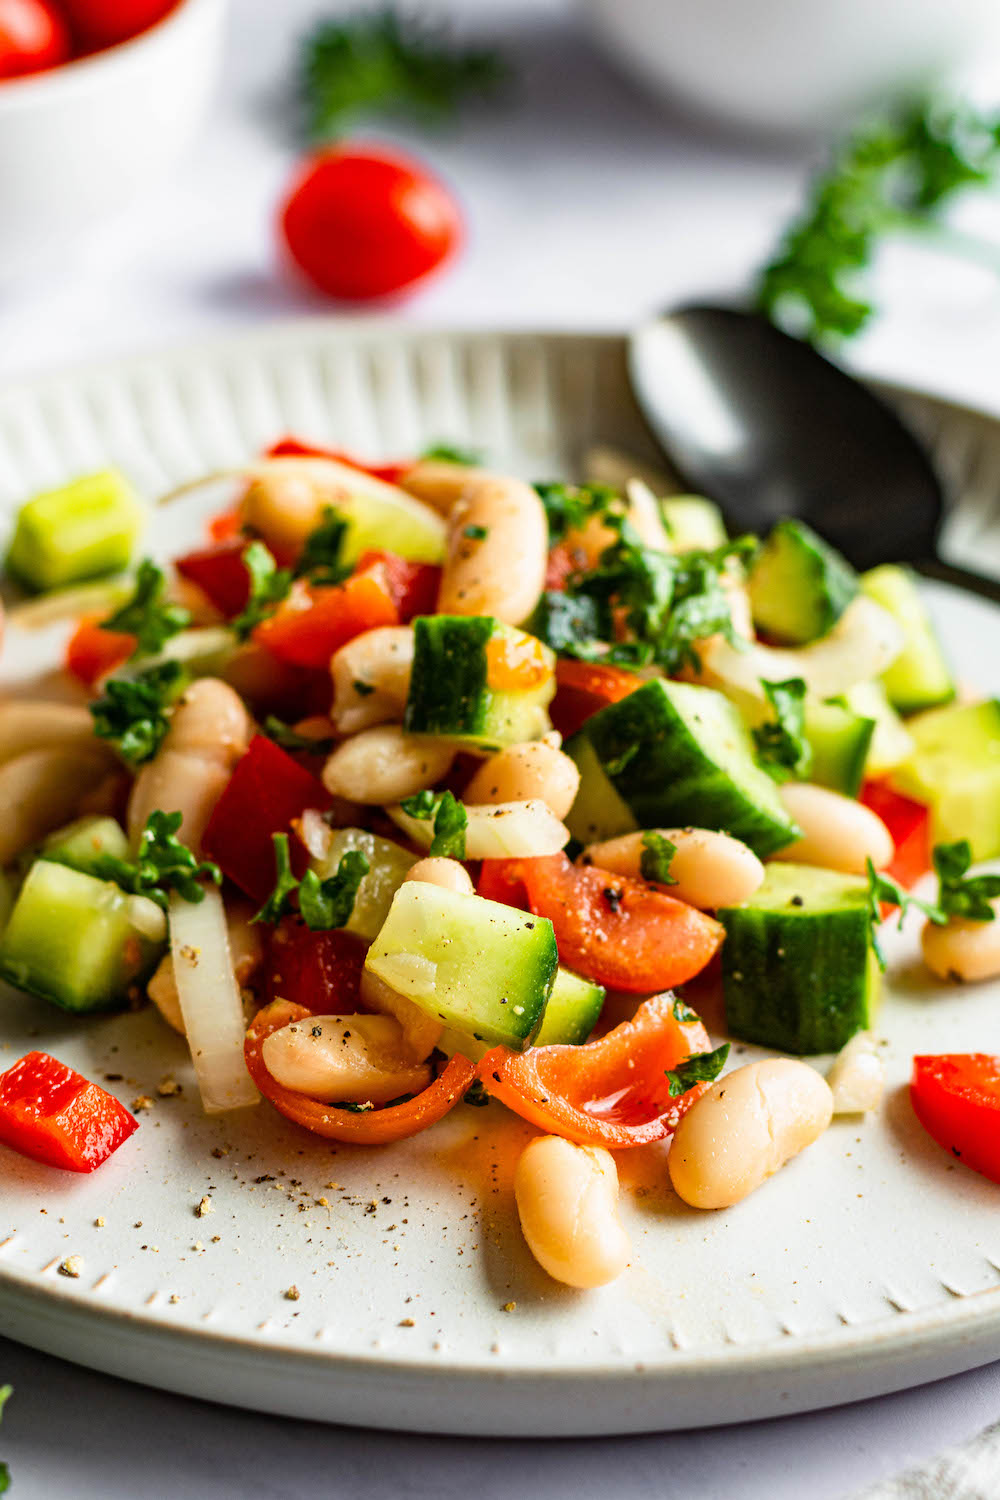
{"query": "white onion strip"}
[(210, 1002), (504, 830)]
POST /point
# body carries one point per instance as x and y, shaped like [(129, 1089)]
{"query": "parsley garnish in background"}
[(269, 585), (958, 896), (289, 739), (323, 904), (782, 747), (450, 821), (132, 713), (280, 900), (657, 853), (892, 174), (378, 63), (450, 453), (146, 615), (701, 1067), (320, 558), (882, 887), (568, 507), (162, 864)]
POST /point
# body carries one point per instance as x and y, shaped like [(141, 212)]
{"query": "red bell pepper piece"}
[(92, 652), (224, 526), (265, 792), (500, 880), (315, 621), (320, 970), (54, 1115), (956, 1098), (220, 574), (617, 931), (413, 586), (584, 687), (290, 447), (374, 1127), (613, 1092), (909, 824)]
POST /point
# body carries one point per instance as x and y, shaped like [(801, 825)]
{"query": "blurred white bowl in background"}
[(793, 66), (78, 142)]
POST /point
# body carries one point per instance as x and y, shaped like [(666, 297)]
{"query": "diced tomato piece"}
[(413, 586), (956, 1098), (613, 1092), (563, 562), (224, 526), (320, 970), (220, 573), (55, 1115), (516, 665), (617, 931), (315, 621), (265, 792), (290, 447), (92, 652), (583, 687), (500, 880), (374, 1127), (909, 824)]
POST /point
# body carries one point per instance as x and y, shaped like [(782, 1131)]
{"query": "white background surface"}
[(587, 206)]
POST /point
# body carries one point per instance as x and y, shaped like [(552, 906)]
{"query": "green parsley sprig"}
[(289, 739), (147, 614), (700, 1067), (269, 585), (882, 887), (959, 896), (132, 714), (568, 507), (163, 864), (323, 904), (320, 560), (451, 453), (656, 857), (782, 747), (450, 821)]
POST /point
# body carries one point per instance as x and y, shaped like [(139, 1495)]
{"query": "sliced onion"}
[(68, 604), (315, 832), (210, 1001), (864, 641), (857, 1078), (504, 830)]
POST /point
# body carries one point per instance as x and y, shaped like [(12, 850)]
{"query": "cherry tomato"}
[(33, 36), (363, 224), (102, 23)]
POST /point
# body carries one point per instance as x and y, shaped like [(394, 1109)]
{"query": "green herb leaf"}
[(476, 533), (448, 453), (568, 507), (450, 820), (269, 584), (372, 64), (280, 900), (569, 624), (145, 615), (132, 714), (329, 903), (700, 1067), (881, 888), (782, 747), (683, 1012), (895, 172), (958, 896), (657, 853), (162, 864), (320, 560), (289, 739)]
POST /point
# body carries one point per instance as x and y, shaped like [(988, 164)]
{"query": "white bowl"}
[(80, 141), (793, 66)]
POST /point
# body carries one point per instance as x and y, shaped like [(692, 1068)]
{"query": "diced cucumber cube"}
[(572, 1011), (919, 678), (387, 867), (82, 845), (891, 741), (82, 530), (799, 586), (693, 522), (955, 769), (840, 740), (460, 689)]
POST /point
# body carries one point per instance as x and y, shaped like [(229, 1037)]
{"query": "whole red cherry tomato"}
[(363, 223), (102, 23), (33, 36)]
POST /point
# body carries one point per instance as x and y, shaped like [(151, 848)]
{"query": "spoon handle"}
[(963, 578)]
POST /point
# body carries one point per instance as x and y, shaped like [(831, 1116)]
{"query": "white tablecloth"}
[(587, 206)]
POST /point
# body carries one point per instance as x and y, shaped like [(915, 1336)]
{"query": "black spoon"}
[(767, 427)]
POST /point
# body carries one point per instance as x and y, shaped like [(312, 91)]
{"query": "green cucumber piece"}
[(481, 968), (693, 522), (799, 586), (798, 972), (203, 651), (84, 844), (572, 1012), (598, 812), (78, 941), (676, 755), (9, 887), (919, 678), (891, 741), (450, 694), (955, 769), (82, 530), (840, 740), (394, 522), (387, 867)]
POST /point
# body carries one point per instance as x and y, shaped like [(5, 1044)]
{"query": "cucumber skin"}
[(85, 529), (82, 845), (571, 1012), (840, 741), (449, 693), (920, 677), (668, 779), (799, 585), (798, 983), (955, 769)]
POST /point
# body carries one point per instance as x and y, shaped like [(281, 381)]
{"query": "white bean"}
[(27, 724), (567, 1201), (208, 733), (501, 572), (534, 771), (246, 949), (437, 482), (963, 950), (837, 832), (747, 1126), (384, 765), (42, 789), (420, 1032), (710, 869), (283, 507), (371, 678), (857, 1077), (447, 873), (338, 1058)]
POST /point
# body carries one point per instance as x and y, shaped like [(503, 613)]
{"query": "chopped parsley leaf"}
[(163, 863), (568, 507), (320, 560), (449, 453), (657, 853), (289, 739), (269, 585), (132, 714), (329, 903), (882, 887), (450, 820), (782, 747), (700, 1067), (959, 896), (476, 533), (145, 615), (280, 900)]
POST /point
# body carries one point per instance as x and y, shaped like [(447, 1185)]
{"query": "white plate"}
[(871, 1263)]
